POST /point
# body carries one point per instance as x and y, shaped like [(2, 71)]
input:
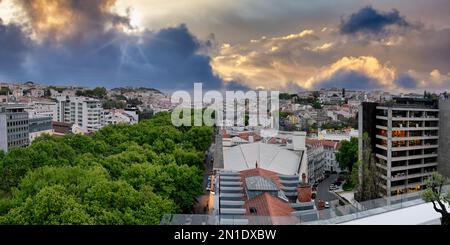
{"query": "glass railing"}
[(336, 214)]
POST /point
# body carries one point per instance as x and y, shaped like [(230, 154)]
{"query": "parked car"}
[(327, 205)]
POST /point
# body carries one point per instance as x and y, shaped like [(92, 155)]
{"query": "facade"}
[(14, 126), (82, 111), (115, 116), (43, 108), (444, 137), (404, 136), (316, 160), (39, 126), (330, 149)]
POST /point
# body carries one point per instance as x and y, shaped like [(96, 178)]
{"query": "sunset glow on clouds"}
[(167, 44)]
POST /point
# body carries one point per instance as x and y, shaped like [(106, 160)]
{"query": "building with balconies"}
[(404, 137), (82, 111)]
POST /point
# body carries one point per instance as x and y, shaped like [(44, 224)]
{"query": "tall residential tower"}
[(404, 137)]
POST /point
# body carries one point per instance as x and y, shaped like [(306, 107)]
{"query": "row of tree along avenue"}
[(124, 174)]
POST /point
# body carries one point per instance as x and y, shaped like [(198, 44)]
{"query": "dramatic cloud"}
[(370, 20), (326, 57), (299, 45), (85, 43), (14, 45), (59, 19), (349, 72)]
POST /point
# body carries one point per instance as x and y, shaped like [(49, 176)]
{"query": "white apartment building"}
[(85, 112), (316, 163), (115, 116), (330, 149), (42, 108)]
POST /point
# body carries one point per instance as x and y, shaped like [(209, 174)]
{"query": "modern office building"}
[(14, 131), (404, 137), (82, 111)]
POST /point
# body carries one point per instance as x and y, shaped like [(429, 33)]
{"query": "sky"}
[(287, 45)]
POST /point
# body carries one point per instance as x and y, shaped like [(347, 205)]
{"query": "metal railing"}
[(336, 214)]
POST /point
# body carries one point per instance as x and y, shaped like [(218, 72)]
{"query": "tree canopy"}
[(123, 174), (348, 154)]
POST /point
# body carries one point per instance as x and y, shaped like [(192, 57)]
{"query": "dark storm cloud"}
[(350, 79), (370, 20), (14, 45), (165, 59), (235, 86), (98, 52), (406, 81)]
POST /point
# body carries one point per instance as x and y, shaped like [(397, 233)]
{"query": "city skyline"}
[(397, 46)]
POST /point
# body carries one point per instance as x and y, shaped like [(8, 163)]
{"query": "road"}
[(323, 189), (218, 150), (323, 193), (202, 200)]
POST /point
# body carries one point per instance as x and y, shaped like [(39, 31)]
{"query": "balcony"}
[(381, 117), (426, 137), (413, 157), (416, 147), (384, 147), (407, 167), (415, 119), (409, 176), (414, 128)]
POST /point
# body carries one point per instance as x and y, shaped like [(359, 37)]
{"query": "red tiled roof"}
[(246, 136), (329, 143), (268, 205), (61, 127)]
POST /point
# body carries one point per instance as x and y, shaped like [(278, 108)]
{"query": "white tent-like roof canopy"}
[(268, 156)]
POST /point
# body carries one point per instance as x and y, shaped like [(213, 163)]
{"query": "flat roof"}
[(268, 156)]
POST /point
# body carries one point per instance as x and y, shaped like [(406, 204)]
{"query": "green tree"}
[(434, 194), (51, 206), (317, 104), (200, 137), (369, 181), (348, 154), (123, 174)]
